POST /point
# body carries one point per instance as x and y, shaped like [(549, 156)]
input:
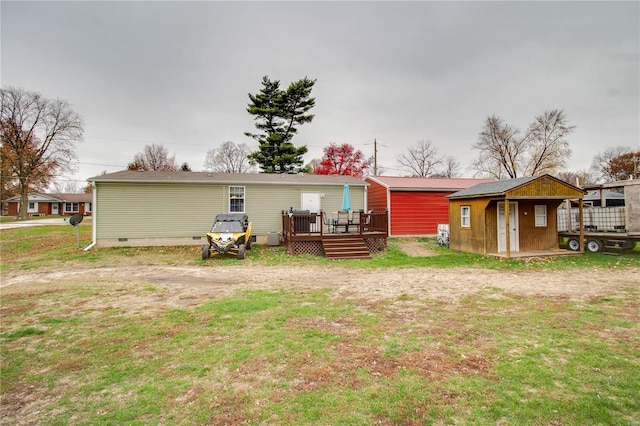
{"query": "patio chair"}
[(355, 219), (366, 225), (343, 220), (329, 223)]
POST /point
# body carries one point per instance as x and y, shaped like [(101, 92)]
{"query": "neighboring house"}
[(527, 207), (173, 208), (52, 204), (416, 205)]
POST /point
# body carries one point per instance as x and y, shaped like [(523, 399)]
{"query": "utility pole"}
[(375, 157)]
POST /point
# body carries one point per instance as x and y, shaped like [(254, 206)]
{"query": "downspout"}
[(93, 221), (389, 212)]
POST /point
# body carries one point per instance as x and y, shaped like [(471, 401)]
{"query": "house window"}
[(465, 216), (71, 207), (33, 207), (87, 207), (236, 199), (540, 212)]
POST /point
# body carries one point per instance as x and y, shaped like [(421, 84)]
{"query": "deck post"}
[(581, 219)]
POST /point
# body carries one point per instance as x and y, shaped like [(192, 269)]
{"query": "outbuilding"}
[(137, 208), (416, 205), (480, 216)]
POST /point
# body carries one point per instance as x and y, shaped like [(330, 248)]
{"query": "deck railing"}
[(305, 225)]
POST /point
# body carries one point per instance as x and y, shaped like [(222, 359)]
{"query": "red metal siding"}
[(418, 213), (376, 197)]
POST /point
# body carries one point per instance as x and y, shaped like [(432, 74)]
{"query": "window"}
[(33, 207), (236, 199), (541, 215), (71, 207), (87, 207), (465, 216)]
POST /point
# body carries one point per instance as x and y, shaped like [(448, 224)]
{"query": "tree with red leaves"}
[(342, 160)]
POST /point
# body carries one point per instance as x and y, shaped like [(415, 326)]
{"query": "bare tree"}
[(153, 158), (66, 187), (38, 137), (500, 150), (421, 159), (504, 153), (616, 163), (229, 158), (546, 144), (450, 168), (578, 178)]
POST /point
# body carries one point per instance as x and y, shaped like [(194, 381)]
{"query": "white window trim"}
[(244, 198), (71, 210), (540, 214), (467, 216)]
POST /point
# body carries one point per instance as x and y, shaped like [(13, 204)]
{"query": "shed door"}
[(311, 201), (54, 208), (502, 225)]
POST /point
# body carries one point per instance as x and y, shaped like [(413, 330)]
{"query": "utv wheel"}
[(205, 252), (248, 244), (573, 244), (241, 251), (594, 246)]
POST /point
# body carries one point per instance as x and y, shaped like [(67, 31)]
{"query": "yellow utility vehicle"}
[(230, 234)]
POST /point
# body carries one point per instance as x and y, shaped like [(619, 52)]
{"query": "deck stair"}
[(345, 247)]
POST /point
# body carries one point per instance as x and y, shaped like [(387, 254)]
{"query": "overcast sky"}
[(178, 73)]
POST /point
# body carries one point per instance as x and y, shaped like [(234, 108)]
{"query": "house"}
[(52, 204), (480, 215), (135, 208), (416, 205)]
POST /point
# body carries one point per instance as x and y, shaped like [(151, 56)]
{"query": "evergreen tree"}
[(278, 113)]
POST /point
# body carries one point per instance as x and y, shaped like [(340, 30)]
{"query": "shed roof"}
[(399, 183), (131, 176), (502, 187)]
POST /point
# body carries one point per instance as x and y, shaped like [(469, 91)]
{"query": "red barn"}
[(416, 205)]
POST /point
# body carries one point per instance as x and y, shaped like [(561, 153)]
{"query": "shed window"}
[(465, 216), (540, 212), (236, 199)]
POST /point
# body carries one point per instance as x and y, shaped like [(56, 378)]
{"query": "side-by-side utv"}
[(230, 234)]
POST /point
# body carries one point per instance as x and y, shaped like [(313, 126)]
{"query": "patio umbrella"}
[(346, 199)]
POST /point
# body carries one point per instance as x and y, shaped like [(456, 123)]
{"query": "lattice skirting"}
[(376, 245), (313, 248)]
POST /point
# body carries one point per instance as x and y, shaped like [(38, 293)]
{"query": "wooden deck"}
[(320, 235)]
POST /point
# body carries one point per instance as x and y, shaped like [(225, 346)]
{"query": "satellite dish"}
[(76, 219)]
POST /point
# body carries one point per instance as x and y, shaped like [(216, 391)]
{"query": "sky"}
[(397, 73)]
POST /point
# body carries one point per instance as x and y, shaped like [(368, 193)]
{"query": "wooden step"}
[(347, 247)]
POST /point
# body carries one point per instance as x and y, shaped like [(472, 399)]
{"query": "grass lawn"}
[(72, 355)]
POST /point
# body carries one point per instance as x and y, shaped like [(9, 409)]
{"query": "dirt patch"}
[(415, 249), (126, 287)]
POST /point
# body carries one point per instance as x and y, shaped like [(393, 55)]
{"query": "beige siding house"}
[(134, 208)]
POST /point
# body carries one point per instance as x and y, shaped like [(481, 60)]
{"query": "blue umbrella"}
[(346, 199)]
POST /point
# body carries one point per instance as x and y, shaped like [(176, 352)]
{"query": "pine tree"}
[(278, 113)]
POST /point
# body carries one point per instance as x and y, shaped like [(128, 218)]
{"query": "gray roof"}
[(56, 197), (501, 187), (131, 176), (498, 187)]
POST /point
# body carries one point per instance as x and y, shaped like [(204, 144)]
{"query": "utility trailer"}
[(609, 224)]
